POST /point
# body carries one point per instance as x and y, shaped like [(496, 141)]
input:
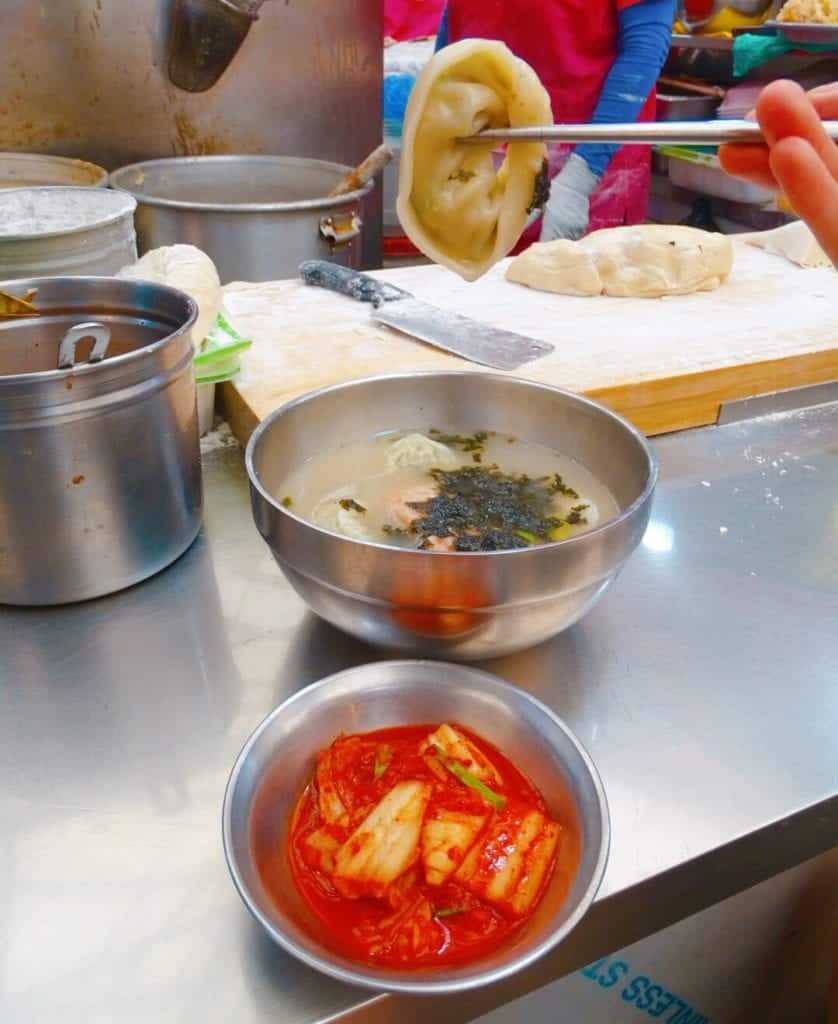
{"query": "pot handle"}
[(340, 230), (101, 335)]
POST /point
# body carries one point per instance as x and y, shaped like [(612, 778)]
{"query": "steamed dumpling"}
[(421, 452), (454, 203), (340, 513)]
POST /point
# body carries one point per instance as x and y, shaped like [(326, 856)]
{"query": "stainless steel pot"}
[(455, 605), (257, 217), (100, 476), (24, 170), (56, 230)]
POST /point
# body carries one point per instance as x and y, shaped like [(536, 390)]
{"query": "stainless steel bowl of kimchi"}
[(419, 827)]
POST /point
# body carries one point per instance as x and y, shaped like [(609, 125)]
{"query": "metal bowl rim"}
[(85, 369), (366, 977), (565, 544), (144, 198), (13, 157), (103, 222)]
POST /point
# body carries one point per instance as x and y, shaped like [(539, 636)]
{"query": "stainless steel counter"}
[(705, 686)]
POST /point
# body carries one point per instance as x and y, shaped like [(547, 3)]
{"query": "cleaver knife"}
[(489, 346)]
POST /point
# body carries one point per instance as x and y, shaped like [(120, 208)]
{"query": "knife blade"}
[(478, 342)]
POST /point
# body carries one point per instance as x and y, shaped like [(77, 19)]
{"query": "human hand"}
[(568, 209), (798, 157)]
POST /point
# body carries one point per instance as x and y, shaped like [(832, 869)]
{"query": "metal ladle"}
[(206, 36)]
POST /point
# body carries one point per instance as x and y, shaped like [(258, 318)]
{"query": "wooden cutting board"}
[(666, 364)]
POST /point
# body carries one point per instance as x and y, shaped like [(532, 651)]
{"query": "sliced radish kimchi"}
[(423, 845)]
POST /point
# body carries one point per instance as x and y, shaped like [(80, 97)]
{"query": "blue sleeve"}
[(645, 35), (442, 32)]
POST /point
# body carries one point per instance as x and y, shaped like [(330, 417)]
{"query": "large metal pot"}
[(65, 230), (257, 217), (100, 476)]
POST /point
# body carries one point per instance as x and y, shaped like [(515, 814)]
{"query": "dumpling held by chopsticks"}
[(459, 204)]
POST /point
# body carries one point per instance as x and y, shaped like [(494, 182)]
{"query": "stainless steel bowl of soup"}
[(460, 515)]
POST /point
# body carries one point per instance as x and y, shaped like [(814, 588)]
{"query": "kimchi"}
[(423, 845)]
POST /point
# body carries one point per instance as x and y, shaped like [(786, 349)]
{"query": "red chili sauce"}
[(442, 871)]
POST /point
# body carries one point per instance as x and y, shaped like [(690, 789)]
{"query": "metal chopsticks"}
[(657, 133)]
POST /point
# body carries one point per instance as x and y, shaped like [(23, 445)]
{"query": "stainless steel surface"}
[(657, 133), (90, 79), (703, 687), (27, 169), (777, 401), (257, 217), (676, 107), (103, 242), (478, 342), (461, 606), (279, 759), (697, 42), (805, 33), (100, 478)]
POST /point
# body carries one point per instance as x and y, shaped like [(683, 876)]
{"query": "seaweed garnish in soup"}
[(437, 491)]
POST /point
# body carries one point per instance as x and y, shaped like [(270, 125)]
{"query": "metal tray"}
[(673, 106), (802, 32)]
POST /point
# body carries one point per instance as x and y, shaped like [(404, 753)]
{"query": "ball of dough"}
[(189, 269), (647, 261)]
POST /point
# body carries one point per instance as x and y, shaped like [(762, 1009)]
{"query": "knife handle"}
[(357, 286)]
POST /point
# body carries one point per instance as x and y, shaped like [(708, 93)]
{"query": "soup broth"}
[(442, 492)]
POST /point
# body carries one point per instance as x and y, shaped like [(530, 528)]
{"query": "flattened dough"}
[(647, 261), (453, 203), (793, 241)]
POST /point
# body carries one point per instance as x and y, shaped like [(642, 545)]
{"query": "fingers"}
[(784, 111), (825, 99), (750, 162), (811, 189)]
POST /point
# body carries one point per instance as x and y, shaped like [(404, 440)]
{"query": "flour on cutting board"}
[(767, 309)]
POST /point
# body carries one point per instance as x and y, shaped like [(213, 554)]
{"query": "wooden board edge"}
[(653, 406), (235, 410), (694, 399)]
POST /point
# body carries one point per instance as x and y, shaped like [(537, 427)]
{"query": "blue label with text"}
[(643, 993)]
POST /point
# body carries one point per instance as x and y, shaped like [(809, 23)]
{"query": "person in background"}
[(599, 61), (411, 19), (799, 159)]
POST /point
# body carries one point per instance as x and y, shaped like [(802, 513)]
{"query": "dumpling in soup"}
[(449, 492), (422, 452), (341, 513)]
